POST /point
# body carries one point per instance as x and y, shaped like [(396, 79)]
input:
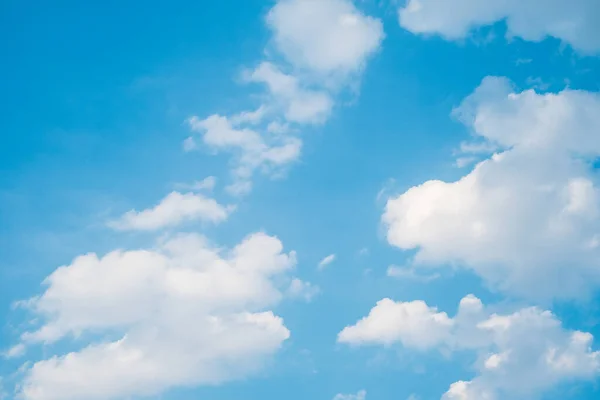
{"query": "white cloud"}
[(326, 261), (521, 354), (321, 47), (250, 117), (414, 324), (526, 219), (573, 22), (409, 273), (324, 36), (250, 149), (207, 184), (189, 144), (463, 162), (463, 390), (299, 105), (361, 395), (14, 352), (303, 290), (185, 314), (174, 209)]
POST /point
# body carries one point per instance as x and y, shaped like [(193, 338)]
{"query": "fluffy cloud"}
[(174, 209), (182, 314), (321, 46), (526, 219), (574, 22), (414, 324), (520, 354), (324, 36)]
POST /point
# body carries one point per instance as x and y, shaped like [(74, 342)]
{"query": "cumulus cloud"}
[(182, 314), (174, 209), (525, 219), (520, 354), (326, 261), (414, 324), (573, 22), (325, 36), (320, 48)]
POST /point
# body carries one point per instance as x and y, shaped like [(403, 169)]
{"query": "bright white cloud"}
[(361, 395), (521, 354), (174, 209), (527, 218), (324, 36), (185, 313), (574, 22), (414, 324), (326, 261)]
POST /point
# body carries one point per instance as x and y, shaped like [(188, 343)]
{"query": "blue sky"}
[(217, 152)]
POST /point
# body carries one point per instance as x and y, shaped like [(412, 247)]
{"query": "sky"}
[(300, 199)]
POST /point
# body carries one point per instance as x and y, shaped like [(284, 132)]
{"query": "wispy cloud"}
[(326, 261)]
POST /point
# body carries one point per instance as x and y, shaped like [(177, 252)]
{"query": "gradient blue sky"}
[(96, 96)]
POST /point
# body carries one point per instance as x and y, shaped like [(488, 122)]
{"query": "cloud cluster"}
[(322, 46), (520, 354), (526, 219), (574, 22), (182, 314)]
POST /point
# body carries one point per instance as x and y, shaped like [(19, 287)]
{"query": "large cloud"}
[(574, 22), (520, 354), (526, 219), (182, 314)]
